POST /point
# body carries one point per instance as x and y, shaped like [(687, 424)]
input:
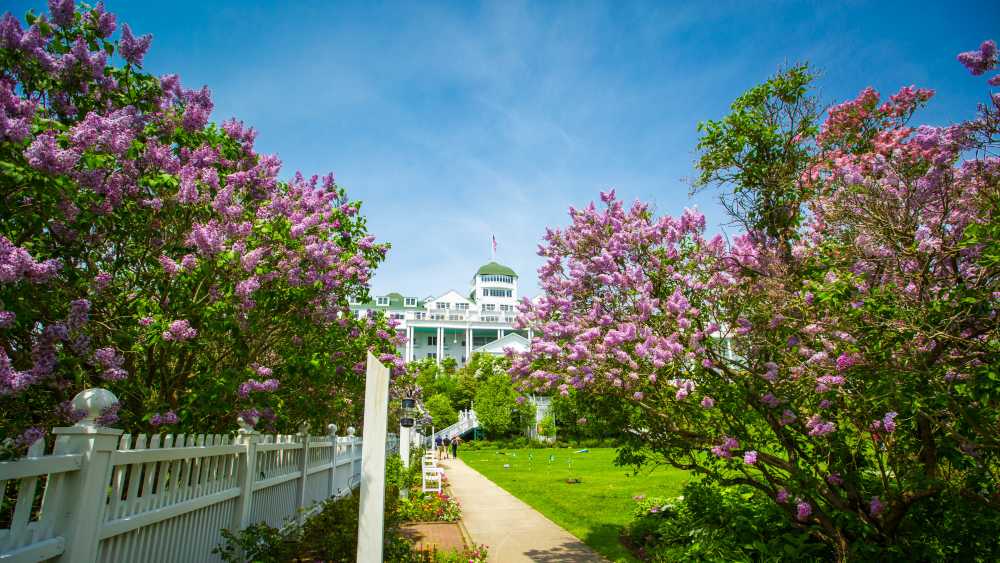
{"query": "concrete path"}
[(512, 530)]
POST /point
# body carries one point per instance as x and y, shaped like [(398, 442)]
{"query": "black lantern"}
[(409, 404), (406, 422)]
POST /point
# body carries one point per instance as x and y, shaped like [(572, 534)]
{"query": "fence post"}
[(352, 440), (247, 437), (331, 431), (304, 467), (85, 492)]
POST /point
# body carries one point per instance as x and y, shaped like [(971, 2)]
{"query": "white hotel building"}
[(453, 325)]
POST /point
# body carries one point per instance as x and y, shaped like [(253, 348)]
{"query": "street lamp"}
[(406, 421)]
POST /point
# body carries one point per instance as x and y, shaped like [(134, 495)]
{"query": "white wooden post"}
[(304, 468), (331, 431), (372, 510), (248, 437), (404, 445), (86, 491)]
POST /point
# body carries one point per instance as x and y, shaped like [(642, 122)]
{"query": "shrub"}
[(330, 535), (712, 523)]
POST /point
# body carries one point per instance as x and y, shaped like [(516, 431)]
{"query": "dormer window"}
[(382, 301), (442, 305), (410, 302)]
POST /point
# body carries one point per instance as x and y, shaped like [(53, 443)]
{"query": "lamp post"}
[(406, 422)]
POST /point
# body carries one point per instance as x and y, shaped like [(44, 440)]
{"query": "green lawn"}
[(594, 510)]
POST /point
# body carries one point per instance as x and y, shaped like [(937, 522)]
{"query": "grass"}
[(594, 510)]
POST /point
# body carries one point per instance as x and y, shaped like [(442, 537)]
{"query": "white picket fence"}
[(101, 495)]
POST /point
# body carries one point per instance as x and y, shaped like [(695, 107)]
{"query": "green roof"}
[(495, 269)]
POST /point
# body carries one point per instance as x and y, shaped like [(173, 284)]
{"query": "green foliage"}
[(441, 410), (495, 402), (759, 150), (712, 523), (465, 390), (547, 426), (331, 535)]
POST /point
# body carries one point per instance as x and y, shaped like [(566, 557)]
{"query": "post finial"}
[(350, 431), (246, 422), (94, 402), (331, 429)]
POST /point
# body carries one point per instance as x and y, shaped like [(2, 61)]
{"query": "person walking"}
[(447, 444), (454, 446), (438, 447)]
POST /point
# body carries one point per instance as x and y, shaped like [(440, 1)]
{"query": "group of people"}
[(441, 446)]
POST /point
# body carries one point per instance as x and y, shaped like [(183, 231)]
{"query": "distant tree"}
[(495, 403), (441, 410), (758, 153), (465, 390)]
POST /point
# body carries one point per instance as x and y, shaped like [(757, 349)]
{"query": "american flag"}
[(494, 244)]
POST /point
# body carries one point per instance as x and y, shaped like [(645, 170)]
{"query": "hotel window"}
[(442, 305), (432, 355), (496, 292), (397, 316), (382, 301), (454, 317), (495, 278), (410, 302), (419, 315), (437, 317), (432, 340), (462, 306), (506, 307), (489, 307), (491, 319)]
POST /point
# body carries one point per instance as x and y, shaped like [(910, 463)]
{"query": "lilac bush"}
[(150, 251), (842, 361)]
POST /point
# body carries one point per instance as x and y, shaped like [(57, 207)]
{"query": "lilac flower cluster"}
[(725, 449), (165, 419), (981, 60), (254, 386), (133, 48), (111, 361), (17, 264), (179, 331)]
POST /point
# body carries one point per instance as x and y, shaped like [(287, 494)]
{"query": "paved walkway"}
[(511, 529)]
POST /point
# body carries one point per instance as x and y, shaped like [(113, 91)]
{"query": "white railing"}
[(498, 317), (106, 496), (467, 420)]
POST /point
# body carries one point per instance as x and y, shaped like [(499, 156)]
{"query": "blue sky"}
[(455, 121)]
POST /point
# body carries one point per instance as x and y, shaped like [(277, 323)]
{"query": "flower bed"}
[(430, 507)]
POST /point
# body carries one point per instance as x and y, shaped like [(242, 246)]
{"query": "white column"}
[(409, 343), (529, 336), (440, 344), (499, 333), (468, 345)]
